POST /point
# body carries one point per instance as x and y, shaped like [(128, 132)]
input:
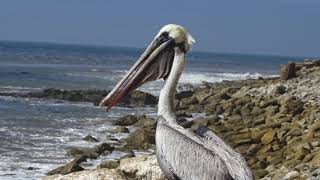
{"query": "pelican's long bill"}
[(155, 63)]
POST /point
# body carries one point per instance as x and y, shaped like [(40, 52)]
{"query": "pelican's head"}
[(179, 34), (155, 63)]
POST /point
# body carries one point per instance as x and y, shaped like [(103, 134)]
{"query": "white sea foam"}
[(17, 89), (198, 78)]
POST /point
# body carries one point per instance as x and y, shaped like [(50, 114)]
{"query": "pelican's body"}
[(181, 154)]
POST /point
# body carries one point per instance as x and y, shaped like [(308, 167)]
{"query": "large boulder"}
[(142, 168), (91, 153), (142, 138), (291, 104), (288, 71)]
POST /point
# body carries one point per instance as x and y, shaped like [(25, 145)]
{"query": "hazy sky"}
[(284, 27)]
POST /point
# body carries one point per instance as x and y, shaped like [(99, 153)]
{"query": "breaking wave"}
[(198, 78)]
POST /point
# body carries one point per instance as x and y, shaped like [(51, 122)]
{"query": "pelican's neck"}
[(166, 104)]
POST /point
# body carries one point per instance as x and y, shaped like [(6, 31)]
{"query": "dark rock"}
[(90, 138), (91, 153), (103, 147), (70, 167), (87, 152), (281, 89), (126, 120), (139, 98), (292, 105), (219, 110), (129, 154), (184, 122), (184, 94), (32, 168), (183, 114), (189, 101)]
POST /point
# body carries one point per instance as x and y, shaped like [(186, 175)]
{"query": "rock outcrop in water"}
[(70, 167), (275, 124), (136, 98)]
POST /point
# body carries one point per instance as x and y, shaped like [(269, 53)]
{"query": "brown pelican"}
[(181, 154)]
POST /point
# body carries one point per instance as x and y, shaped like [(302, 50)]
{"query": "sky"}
[(278, 27)]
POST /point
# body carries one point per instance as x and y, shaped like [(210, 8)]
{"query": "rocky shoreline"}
[(274, 123)]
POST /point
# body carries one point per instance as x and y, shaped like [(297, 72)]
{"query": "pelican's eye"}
[(162, 38)]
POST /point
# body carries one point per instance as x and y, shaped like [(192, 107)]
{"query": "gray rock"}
[(145, 122), (70, 167), (127, 120), (91, 153), (142, 138), (109, 164), (90, 138)]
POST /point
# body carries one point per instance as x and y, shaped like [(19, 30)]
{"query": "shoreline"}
[(270, 121)]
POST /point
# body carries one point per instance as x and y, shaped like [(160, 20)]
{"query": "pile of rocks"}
[(274, 124)]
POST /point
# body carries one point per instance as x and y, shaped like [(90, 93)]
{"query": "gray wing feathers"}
[(234, 161), (188, 159), (194, 157)]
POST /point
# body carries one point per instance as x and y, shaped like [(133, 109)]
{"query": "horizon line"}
[(142, 48)]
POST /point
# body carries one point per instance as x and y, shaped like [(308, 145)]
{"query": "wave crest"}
[(198, 78)]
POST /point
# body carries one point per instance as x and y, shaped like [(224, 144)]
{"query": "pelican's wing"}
[(184, 156), (199, 157), (234, 161)]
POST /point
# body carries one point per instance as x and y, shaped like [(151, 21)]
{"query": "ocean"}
[(34, 133)]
